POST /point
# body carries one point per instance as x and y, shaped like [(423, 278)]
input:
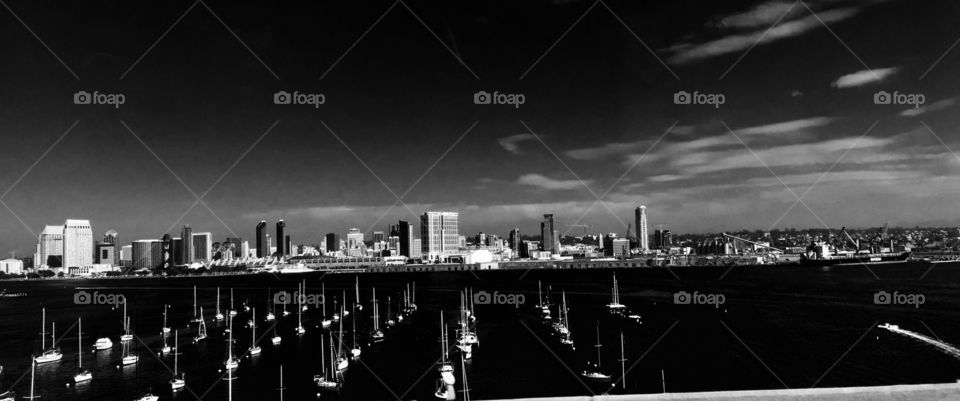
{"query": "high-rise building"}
[(202, 247), (77, 244), (333, 242), (186, 249), (354, 238), (640, 219), (287, 250), (106, 254), (239, 250), (515, 241), (550, 235), (146, 254), (440, 234), (263, 250), (405, 232), (50, 247), (379, 236), (167, 259), (281, 238), (113, 238), (416, 249)]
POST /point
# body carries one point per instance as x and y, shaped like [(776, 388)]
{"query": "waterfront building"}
[(263, 250), (416, 251), (50, 247), (202, 247), (287, 251), (185, 254), (440, 234), (146, 254), (354, 239), (281, 239), (106, 254), (405, 234), (333, 242), (550, 235), (640, 220), (515, 241), (167, 252), (126, 255), (77, 243), (11, 266)]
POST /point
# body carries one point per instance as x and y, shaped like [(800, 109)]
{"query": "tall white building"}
[(50, 243), (641, 221), (202, 247), (354, 238), (439, 234), (77, 244)]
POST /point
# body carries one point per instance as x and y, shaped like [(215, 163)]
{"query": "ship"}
[(826, 255)]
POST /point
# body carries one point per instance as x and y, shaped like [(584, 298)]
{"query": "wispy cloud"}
[(512, 143), (864, 77), (762, 15), (935, 106), (689, 52), (541, 181), (786, 126)]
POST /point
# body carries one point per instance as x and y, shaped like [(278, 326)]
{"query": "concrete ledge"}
[(913, 392)]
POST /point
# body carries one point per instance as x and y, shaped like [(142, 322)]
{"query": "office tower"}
[(202, 247), (480, 239), (126, 255), (113, 238), (515, 240), (146, 254), (608, 244), (77, 244), (262, 249), (440, 234), (378, 237), (186, 248), (657, 239), (550, 235), (281, 249), (239, 249), (405, 232), (354, 238), (393, 244), (245, 249), (270, 248), (106, 254), (416, 249), (333, 242), (287, 250), (621, 247), (640, 219), (50, 247)]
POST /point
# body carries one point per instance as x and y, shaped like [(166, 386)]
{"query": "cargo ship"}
[(825, 255)]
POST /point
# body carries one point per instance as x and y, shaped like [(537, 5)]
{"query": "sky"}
[(798, 141)]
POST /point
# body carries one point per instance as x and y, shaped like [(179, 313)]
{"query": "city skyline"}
[(799, 102)]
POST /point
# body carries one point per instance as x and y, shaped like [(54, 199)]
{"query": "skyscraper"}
[(146, 254), (281, 244), (77, 244), (50, 247), (405, 232), (203, 247), (354, 238), (333, 242), (113, 238), (287, 250), (550, 235), (440, 234), (640, 219), (186, 249), (515, 241), (238, 247), (262, 247)]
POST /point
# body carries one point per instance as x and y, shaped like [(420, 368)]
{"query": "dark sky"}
[(599, 89)]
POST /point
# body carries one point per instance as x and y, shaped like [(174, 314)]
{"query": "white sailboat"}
[(201, 330), (342, 361), (232, 362), (323, 380), (254, 349), (148, 397), (355, 351), (196, 317), (275, 340), (178, 381), (300, 329), (615, 306), (82, 374), (566, 336), (233, 312), (445, 389), (103, 343), (326, 319), (356, 291), (219, 316), (128, 358), (270, 316), (390, 321), (127, 335), (166, 328), (52, 354), (593, 372), (376, 334), (303, 292)]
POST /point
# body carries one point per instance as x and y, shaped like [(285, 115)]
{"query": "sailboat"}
[(276, 338), (467, 334), (52, 354), (166, 328), (445, 389), (178, 381), (323, 381), (615, 306), (270, 316), (465, 338), (128, 358), (254, 349), (196, 317), (563, 328), (342, 362), (303, 291), (390, 322), (593, 371), (166, 348), (8, 396), (201, 330), (281, 383), (82, 374), (376, 334), (232, 362), (355, 351), (300, 328), (219, 316), (323, 292), (148, 397), (233, 312), (103, 343), (33, 368), (543, 306), (127, 336), (356, 291)]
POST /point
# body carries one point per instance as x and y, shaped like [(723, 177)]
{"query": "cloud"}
[(863, 77), (762, 15), (687, 52), (936, 106), (786, 126), (512, 143), (540, 181)]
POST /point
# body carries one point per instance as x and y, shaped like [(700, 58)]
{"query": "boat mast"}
[(79, 344), (176, 354), (43, 331), (194, 302), (598, 346), (623, 360)]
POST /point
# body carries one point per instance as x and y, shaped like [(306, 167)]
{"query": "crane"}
[(725, 235)]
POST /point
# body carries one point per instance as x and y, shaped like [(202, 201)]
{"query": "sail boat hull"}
[(82, 377)]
